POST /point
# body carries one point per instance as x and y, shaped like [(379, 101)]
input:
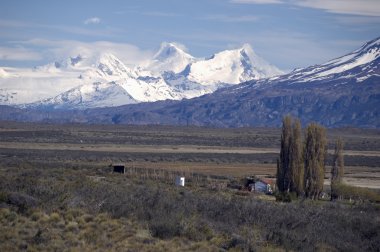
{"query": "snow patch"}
[(169, 58), (232, 67), (3, 73)]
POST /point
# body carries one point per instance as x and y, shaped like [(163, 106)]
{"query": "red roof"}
[(267, 181)]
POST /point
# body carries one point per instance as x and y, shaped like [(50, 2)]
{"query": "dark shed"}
[(119, 168)]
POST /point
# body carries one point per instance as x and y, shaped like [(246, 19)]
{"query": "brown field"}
[(224, 152)]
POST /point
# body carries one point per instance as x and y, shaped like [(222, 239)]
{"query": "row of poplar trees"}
[(301, 166)]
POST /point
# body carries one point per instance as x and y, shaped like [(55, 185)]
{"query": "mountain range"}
[(88, 81), (341, 92)]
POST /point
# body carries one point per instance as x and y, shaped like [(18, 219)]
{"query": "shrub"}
[(22, 201), (54, 217), (357, 193), (165, 227), (3, 197), (196, 230), (72, 226), (285, 196)]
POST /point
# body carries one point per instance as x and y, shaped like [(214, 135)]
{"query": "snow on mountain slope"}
[(149, 89), (169, 58), (232, 67), (30, 85), (187, 88), (88, 96), (3, 73), (108, 82), (352, 64), (108, 67), (51, 80), (94, 79), (109, 94)]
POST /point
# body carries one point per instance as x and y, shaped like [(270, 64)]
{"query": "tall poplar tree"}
[(296, 160), (283, 170), (337, 170), (314, 160)]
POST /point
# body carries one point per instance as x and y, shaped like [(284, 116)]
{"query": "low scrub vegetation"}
[(60, 199), (96, 210), (357, 194)]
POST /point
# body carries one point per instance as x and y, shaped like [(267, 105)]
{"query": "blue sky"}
[(287, 33)]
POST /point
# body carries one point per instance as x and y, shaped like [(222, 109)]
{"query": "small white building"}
[(180, 181)]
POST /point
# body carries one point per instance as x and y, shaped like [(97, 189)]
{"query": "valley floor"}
[(57, 189), (226, 152)]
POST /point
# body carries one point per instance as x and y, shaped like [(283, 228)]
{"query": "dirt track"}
[(158, 149)]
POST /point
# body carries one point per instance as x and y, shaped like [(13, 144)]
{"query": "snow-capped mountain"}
[(231, 67), (361, 64), (342, 92), (89, 96), (169, 58), (101, 79), (108, 82), (109, 67)]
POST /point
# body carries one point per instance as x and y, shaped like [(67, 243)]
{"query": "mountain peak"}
[(246, 47), (231, 67), (170, 58), (169, 50), (81, 60), (110, 65), (106, 58), (76, 60)]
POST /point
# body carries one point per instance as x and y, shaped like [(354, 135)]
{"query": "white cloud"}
[(18, 54), (352, 7), (14, 24), (93, 20), (62, 49), (357, 20)]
